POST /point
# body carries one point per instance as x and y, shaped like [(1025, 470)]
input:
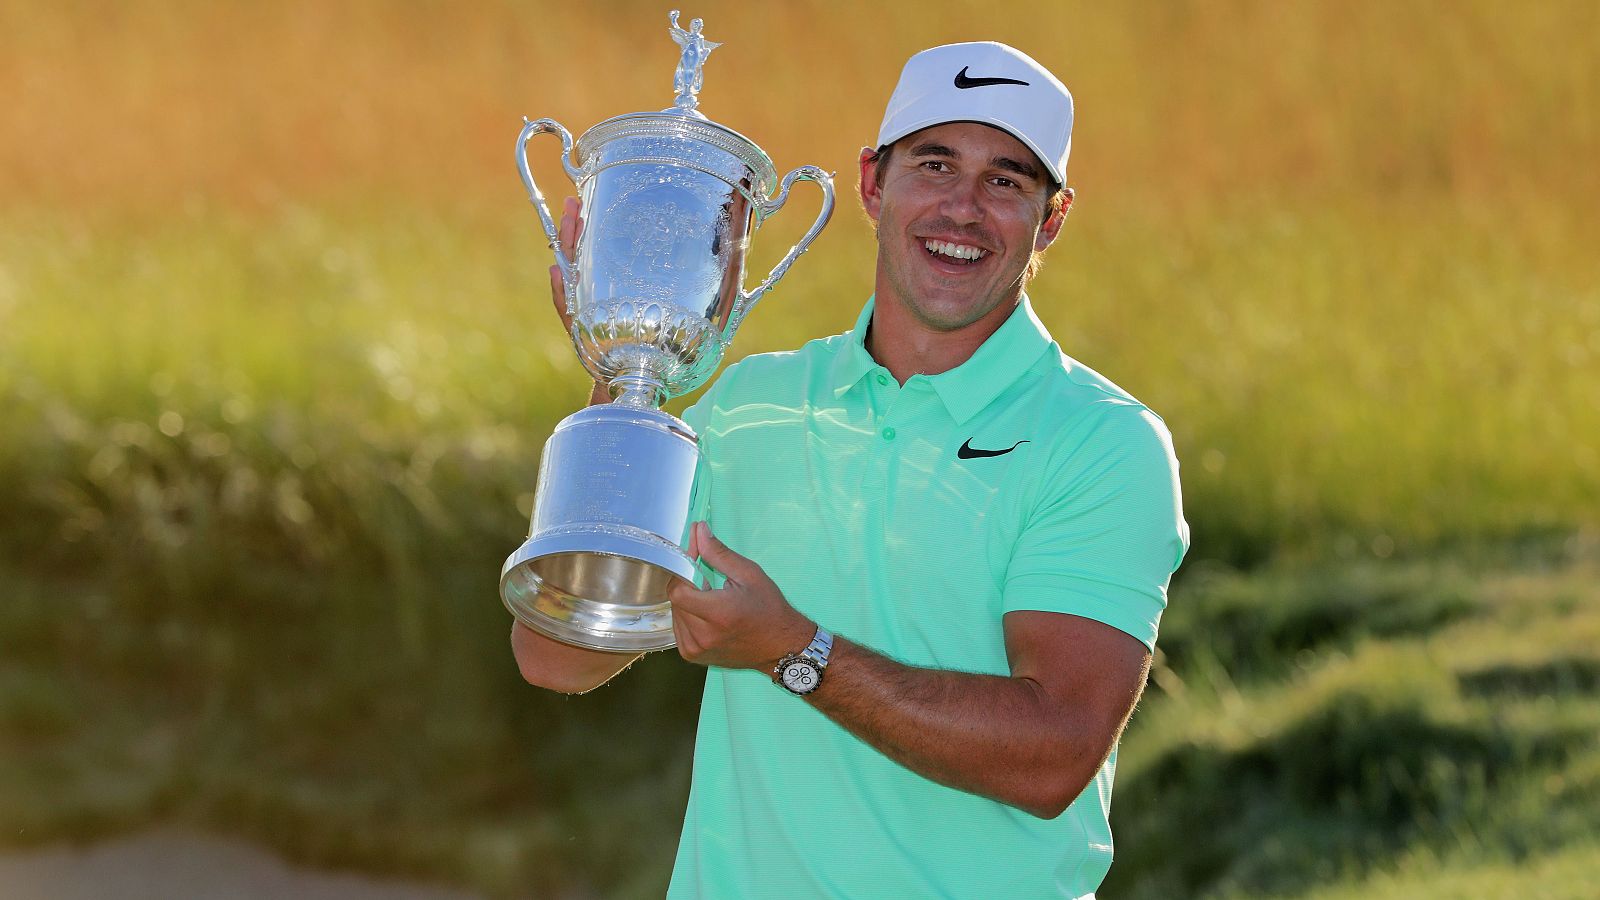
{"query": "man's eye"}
[(1005, 183)]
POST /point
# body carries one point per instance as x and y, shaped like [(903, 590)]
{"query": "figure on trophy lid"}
[(691, 72)]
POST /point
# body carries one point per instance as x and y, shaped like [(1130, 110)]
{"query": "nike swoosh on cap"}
[(963, 81)]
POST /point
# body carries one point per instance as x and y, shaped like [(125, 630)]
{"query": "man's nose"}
[(963, 201)]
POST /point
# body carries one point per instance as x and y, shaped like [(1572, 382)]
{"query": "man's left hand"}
[(745, 624)]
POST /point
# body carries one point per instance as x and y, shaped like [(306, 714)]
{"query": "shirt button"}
[(882, 378), (888, 434)]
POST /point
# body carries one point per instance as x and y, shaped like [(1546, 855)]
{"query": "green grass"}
[(1373, 722), (1330, 378), (293, 713), (1565, 874)]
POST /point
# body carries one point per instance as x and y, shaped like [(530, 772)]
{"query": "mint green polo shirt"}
[(865, 503)]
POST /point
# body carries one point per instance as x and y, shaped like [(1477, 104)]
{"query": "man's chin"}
[(950, 316)]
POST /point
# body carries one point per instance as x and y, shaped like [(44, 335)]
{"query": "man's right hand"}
[(569, 231), (571, 227)]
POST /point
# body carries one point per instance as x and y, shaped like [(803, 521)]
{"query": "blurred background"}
[(277, 362)]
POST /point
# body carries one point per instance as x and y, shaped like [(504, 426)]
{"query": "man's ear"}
[(867, 183), (1050, 229)]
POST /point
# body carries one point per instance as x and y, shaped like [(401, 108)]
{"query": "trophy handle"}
[(543, 126), (747, 300)]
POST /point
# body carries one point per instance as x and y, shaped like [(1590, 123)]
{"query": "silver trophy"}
[(655, 291)]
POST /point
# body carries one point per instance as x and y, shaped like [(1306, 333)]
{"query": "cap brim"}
[(889, 137)]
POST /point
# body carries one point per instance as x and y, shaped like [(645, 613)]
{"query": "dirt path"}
[(174, 865)]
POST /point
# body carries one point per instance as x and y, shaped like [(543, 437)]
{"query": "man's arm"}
[(1032, 740), (562, 667)]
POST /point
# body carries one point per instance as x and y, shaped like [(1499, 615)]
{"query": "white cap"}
[(984, 82)]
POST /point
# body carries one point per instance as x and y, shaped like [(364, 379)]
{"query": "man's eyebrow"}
[(932, 149), (1011, 165), (1020, 167)]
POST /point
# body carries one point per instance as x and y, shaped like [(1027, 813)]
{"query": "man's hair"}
[(1054, 203)]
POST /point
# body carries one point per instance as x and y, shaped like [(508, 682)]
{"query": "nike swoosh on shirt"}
[(963, 81), (967, 452)]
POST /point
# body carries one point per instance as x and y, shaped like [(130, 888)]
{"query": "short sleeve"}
[(1107, 530), (698, 417)]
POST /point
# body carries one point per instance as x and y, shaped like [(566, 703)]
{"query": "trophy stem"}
[(638, 388)]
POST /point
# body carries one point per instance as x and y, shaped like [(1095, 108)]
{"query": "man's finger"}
[(571, 225), (687, 626), (683, 636), (690, 598), (717, 554), (558, 296), (567, 233), (568, 220), (694, 541)]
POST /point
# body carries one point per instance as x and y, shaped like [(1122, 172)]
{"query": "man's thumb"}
[(716, 553)]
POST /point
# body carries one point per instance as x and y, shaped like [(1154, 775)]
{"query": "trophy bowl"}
[(654, 288)]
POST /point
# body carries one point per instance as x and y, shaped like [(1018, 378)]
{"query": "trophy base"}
[(596, 586)]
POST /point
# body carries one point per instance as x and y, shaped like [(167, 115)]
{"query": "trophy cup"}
[(654, 289)]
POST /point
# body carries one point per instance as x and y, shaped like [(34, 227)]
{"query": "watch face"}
[(800, 676)]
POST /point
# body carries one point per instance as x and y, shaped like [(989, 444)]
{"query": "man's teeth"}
[(959, 251)]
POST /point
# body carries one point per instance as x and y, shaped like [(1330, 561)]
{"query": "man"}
[(951, 541)]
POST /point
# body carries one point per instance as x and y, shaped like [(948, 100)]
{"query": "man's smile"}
[(952, 252)]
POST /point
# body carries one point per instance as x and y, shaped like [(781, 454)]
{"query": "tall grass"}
[(1382, 725), (1355, 379)]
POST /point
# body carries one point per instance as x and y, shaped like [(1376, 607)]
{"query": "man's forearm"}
[(562, 667), (1032, 740), (1001, 737)]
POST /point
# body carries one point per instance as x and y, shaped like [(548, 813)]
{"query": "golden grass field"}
[(1180, 104), (276, 364)]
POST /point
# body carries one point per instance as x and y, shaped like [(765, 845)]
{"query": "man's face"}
[(960, 212)]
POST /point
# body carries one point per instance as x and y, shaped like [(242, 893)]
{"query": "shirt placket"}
[(877, 478)]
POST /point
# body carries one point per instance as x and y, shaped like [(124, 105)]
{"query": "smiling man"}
[(940, 547)]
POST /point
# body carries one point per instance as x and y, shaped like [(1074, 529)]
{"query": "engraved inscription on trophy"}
[(603, 498)]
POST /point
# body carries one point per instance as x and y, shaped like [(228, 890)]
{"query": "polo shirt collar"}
[(965, 390), (853, 362)]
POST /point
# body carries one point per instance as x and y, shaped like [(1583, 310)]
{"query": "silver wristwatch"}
[(801, 673)]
